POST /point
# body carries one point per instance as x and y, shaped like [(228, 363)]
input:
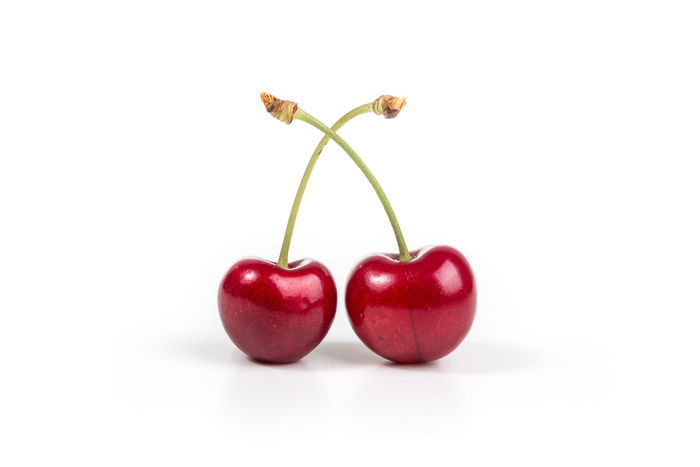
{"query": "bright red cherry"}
[(276, 314), (414, 311)]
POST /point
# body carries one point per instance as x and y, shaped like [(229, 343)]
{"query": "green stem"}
[(284, 252), (404, 254)]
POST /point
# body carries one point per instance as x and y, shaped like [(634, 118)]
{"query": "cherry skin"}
[(415, 311), (276, 314)]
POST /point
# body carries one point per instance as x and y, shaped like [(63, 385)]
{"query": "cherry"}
[(414, 311), (275, 314), (280, 312), (408, 307)]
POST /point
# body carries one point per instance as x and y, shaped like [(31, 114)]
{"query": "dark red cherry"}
[(276, 314), (414, 311)]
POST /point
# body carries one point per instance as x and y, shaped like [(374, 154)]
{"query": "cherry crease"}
[(414, 311), (276, 314)]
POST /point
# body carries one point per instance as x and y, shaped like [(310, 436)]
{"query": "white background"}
[(554, 143)]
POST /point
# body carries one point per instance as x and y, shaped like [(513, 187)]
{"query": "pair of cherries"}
[(415, 306)]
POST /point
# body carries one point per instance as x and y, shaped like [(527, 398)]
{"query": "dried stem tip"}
[(387, 105), (282, 110)]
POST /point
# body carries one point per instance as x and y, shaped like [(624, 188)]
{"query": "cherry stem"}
[(404, 254), (284, 252)]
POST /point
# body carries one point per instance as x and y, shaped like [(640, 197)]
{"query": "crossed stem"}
[(287, 111)]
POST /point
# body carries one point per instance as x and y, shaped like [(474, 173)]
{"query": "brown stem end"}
[(280, 109), (387, 105)]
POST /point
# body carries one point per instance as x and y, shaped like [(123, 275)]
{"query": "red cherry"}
[(276, 314), (414, 311)]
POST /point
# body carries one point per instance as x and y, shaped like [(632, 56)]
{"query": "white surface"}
[(554, 143)]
